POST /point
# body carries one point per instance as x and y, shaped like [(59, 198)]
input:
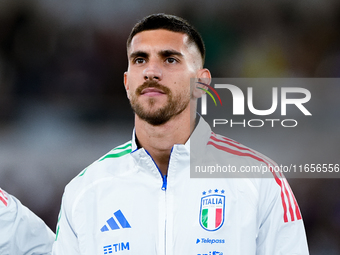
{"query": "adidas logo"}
[(112, 222)]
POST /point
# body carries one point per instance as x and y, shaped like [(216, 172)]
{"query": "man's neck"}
[(159, 140)]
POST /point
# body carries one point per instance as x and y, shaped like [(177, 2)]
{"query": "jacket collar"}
[(196, 142)]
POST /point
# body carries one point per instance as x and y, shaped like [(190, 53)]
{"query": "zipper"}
[(164, 177), (164, 182), (163, 229)]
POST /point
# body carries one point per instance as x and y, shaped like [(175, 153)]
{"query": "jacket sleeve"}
[(281, 229), (21, 231), (66, 241)]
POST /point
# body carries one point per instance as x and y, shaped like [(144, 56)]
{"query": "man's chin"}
[(155, 115), (153, 102), (153, 108), (156, 121)]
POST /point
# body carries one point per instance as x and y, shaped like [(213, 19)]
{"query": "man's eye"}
[(139, 60), (171, 60)]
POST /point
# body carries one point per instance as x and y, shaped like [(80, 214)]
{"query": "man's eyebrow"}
[(167, 53), (139, 53), (162, 53)]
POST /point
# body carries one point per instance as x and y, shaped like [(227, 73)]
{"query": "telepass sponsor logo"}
[(212, 209), (211, 253), (209, 241)]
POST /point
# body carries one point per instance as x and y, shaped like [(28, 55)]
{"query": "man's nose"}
[(153, 72)]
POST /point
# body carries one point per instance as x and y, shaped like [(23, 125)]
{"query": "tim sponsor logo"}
[(113, 248)]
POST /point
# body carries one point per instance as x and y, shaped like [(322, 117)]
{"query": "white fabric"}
[(169, 221), (21, 231)]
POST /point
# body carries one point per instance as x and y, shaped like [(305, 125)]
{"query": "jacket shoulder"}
[(227, 146), (116, 153), (109, 165)]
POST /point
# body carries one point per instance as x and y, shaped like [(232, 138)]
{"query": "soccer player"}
[(21, 231), (139, 198)]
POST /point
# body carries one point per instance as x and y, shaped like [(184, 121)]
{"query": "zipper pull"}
[(164, 182)]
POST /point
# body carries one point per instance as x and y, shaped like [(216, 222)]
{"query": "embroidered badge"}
[(212, 209)]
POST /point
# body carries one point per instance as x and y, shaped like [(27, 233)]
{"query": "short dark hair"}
[(171, 23)]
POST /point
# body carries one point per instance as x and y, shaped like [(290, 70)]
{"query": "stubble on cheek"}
[(173, 106)]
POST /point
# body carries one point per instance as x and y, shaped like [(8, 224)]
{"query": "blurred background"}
[(63, 103)]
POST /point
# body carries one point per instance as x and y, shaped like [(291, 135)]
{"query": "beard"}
[(173, 107)]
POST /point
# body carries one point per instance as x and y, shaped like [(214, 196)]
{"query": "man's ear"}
[(203, 77), (126, 84)]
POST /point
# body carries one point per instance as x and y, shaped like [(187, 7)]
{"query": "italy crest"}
[(212, 210)]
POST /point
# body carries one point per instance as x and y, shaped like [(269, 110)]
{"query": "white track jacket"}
[(21, 231), (121, 204)]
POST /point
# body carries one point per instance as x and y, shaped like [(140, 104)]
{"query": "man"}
[(21, 231), (139, 198)]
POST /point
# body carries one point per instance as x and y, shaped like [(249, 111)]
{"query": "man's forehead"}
[(159, 38)]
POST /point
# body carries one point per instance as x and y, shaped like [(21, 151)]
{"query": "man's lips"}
[(152, 92)]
